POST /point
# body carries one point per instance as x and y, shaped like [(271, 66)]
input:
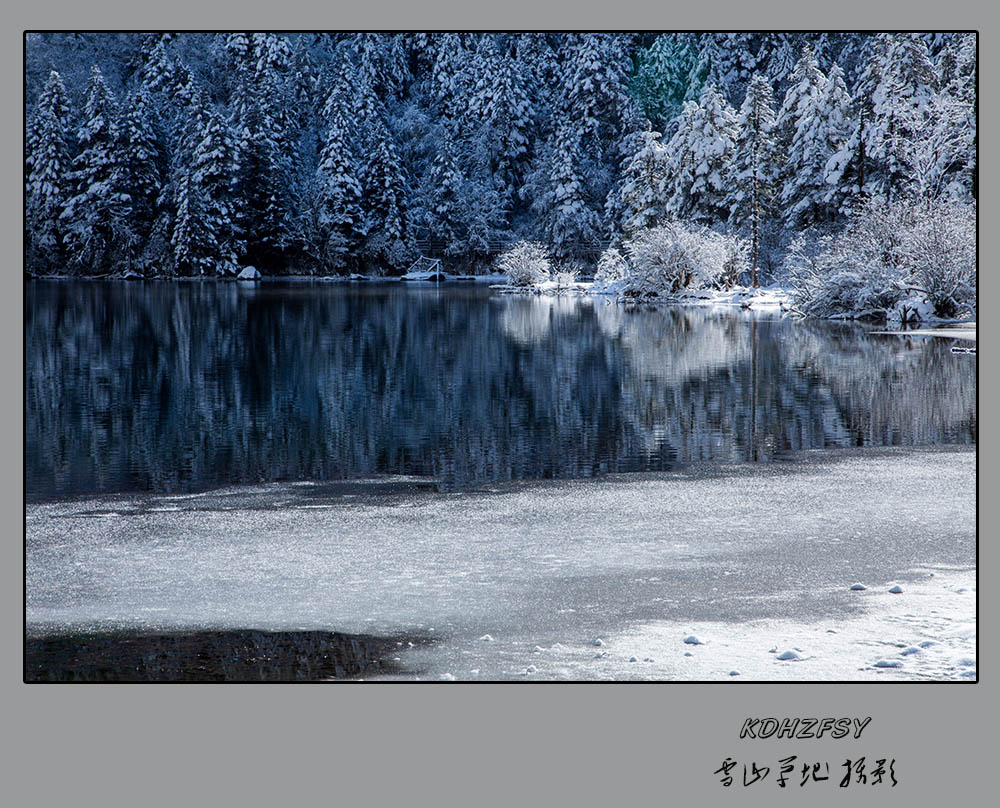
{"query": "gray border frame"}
[(494, 744)]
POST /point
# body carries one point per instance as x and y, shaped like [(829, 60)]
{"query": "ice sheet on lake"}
[(765, 552)]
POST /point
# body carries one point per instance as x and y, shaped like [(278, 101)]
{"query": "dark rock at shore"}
[(245, 655)]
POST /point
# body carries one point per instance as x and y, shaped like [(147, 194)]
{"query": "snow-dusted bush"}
[(611, 271), (525, 264), (889, 262), (566, 275), (939, 253), (674, 257)]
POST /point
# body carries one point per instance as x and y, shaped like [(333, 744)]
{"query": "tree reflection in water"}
[(180, 387)]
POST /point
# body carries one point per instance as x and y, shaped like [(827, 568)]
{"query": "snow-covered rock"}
[(915, 308), (249, 274), (888, 663), (858, 587), (897, 590), (691, 639), (486, 638), (789, 656)]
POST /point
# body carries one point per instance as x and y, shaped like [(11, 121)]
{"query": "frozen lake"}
[(746, 558), (448, 465)]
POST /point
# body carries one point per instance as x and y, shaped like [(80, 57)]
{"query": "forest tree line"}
[(197, 154)]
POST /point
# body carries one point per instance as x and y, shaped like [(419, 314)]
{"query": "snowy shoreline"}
[(765, 297)]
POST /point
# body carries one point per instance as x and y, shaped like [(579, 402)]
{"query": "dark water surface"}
[(173, 387)]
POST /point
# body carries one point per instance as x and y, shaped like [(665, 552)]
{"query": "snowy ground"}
[(966, 331), (522, 581), (926, 631), (763, 297)]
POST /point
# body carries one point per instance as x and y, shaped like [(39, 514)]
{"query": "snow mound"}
[(888, 663), (425, 275), (897, 590), (911, 650), (691, 639), (912, 309), (858, 587), (789, 656), (486, 638)]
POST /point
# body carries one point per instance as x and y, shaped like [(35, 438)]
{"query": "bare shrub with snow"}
[(674, 257), (908, 260), (525, 264), (939, 253), (565, 275), (611, 271)]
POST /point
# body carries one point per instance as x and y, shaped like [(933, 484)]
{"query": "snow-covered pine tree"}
[(899, 109), (958, 76), (383, 186), (159, 73), (805, 83), (47, 182), (777, 56), (634, 139), (722, 63), (142, 161), (500, 104), (564, 218), (821, 130), (698, 165), (264, 150), (303, 87), (270, 53), (445, 203), (755, 165), (595, 90), (661, 80), (382, 63), (643, 191), (538, 65), (849, 171), (214, 170), (450, 77), (340, 219), (192, 242), (97, 236)]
